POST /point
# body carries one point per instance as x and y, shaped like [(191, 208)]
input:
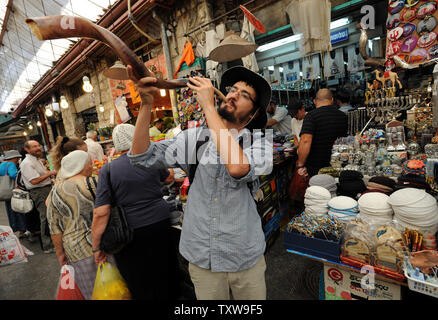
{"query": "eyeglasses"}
[(244, 94)]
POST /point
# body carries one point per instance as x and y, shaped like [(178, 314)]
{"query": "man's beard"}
[(227, 115)]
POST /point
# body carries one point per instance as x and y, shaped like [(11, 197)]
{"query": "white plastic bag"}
[(10, 247)]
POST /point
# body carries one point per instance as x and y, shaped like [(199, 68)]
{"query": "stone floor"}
[(288, 277)]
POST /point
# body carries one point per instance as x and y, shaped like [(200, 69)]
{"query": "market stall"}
[(375, 207)]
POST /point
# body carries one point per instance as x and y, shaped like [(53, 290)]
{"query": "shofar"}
[(372, 62), (62, 26)]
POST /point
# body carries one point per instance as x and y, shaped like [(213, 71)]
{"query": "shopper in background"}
[(297, 111), (222, 236), (343, 100), (278, 119), (149, 263), (94, 148), (38, 180), (321, 128), (9, 167), (69, 213), (63, 146), (156, 129)]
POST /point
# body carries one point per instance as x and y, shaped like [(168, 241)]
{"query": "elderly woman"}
[(69, 214), (149, 263), (63, 146)]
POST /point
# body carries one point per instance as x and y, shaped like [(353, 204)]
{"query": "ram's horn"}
[(403, 64), (62, 26), (372, 62)]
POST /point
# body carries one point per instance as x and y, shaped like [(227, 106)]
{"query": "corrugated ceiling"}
[(23, 58)]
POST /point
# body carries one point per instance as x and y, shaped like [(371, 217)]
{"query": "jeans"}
[(17, 220)]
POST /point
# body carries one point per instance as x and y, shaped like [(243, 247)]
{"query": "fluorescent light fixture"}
[(335, 24), (281, 69), (271, 68), (339, 23), (278, 43)]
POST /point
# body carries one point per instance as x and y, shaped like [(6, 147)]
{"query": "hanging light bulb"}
[(87, 87), (163, 92), (38, 123), (49, 111), (64, 102), (24, 133), (101, 108), (30, 126)]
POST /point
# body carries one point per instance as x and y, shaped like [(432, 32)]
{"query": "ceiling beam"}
[(5, 20)]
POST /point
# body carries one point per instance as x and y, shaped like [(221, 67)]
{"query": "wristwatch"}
[(95, 250), (299, 167)]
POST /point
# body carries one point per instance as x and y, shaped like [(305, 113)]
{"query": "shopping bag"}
[(298, 186), (67, 287), (21, 201), (7, 184), (109, 284), (10, 247)]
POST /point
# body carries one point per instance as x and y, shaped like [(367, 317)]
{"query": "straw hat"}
[(232, 48)]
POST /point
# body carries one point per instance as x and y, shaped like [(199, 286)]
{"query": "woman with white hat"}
[(69, 213), (9, 167)]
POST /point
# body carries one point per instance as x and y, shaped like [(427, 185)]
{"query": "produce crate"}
[(319, 248)]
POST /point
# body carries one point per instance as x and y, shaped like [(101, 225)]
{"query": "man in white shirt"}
[(95, 150), (278, 119), (38, 180), (298, 112)]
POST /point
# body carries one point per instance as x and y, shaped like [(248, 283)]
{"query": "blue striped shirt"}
[(222, 229)]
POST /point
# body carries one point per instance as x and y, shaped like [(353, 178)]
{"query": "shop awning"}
[(23, 58)]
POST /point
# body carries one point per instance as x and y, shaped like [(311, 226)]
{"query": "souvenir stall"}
[(372, 216)]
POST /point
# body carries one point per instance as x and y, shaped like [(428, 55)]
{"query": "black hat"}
[(385, 181), (261, 86)]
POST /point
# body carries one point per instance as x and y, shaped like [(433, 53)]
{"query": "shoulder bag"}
[(117, 233), (21, 201), (7, 184)]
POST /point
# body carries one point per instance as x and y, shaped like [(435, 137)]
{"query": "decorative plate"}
[(426, 9), (427, 39), (433, 52), (417, 56), (393, 48), (396, 6), (409, 44), (408, 14), (408, 29), (395, 34), (393, 21), (426, 25), (411, 3)]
